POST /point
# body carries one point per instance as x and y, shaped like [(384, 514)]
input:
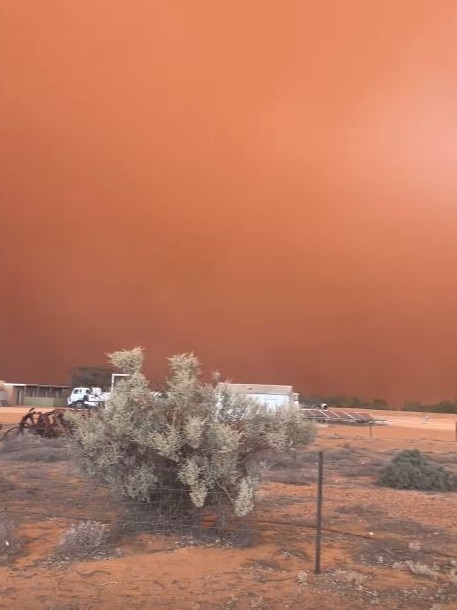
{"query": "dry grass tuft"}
[(10, 543), (83, 540)]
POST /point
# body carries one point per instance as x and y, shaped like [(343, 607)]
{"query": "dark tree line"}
[(343, 401), (91, 376), (443, 406)]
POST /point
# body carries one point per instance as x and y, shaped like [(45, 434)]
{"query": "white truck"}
[(87, 398)]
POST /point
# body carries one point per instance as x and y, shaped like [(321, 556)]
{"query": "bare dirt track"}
[(386, 548)]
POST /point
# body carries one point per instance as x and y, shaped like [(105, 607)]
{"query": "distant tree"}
[(310, 399), (191, 447), (356, 401), (335, 400), (338, 400), (342, 400), (446, 406), (413, 405), (91, 376), (379, 403)]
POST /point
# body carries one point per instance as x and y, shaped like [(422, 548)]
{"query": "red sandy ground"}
[(149, 572)]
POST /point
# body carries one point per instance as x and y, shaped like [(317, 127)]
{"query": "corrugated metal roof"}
[(257, 388), (36, 385)]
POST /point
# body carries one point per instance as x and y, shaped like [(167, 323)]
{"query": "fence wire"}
[(45, 489)]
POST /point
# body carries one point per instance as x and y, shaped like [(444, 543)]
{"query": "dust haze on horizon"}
[(269, 184)]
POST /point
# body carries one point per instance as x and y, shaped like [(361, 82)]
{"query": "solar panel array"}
[(339, 417)]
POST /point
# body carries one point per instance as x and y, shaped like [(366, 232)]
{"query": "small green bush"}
[(410, 469)]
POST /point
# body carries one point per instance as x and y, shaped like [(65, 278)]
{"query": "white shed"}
[(273, 396)]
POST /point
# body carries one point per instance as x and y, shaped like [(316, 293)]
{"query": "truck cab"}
[(86, 398)]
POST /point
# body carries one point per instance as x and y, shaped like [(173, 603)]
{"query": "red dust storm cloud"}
[(270, 184)]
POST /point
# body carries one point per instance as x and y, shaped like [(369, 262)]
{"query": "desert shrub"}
[(30, 448), (83, 539), (417, 568), (10, 543), (410, 469), (191, 447)]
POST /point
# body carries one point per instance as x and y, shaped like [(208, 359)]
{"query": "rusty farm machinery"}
[(46, 424)]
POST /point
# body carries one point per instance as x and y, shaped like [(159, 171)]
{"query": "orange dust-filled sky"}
[(270, 184)]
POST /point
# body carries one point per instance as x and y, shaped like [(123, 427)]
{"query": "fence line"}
[(295, 525), (123, 520)]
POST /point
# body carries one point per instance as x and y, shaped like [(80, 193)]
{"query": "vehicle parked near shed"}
[(87, 398)]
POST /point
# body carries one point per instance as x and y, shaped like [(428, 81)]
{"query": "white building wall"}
[(272, 400)]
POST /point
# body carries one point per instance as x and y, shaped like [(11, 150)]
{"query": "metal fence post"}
[(320, 481)]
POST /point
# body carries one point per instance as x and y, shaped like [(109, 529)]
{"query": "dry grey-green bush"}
[(411, 469), (10, 543), (31, 448), (192, 446), (420, 569), (83, 539)]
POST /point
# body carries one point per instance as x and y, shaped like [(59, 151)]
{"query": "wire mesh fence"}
[(40, 485), (287, 521)]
